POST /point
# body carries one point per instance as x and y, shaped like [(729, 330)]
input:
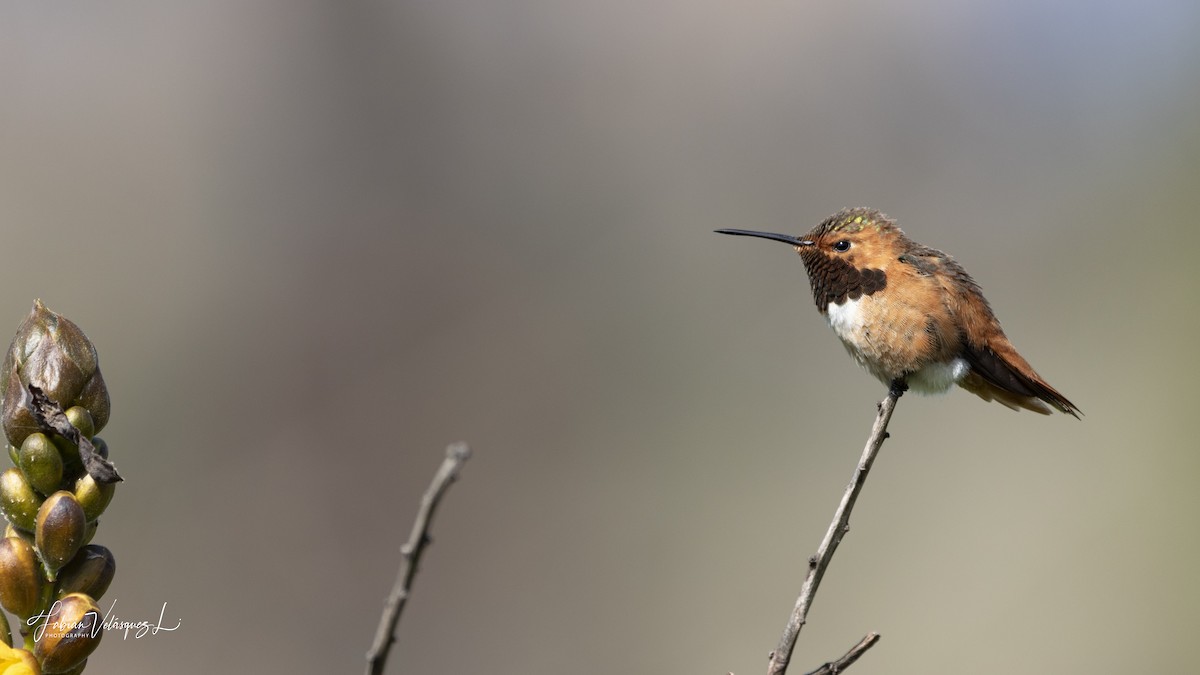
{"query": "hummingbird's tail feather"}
[(999, 373), (976, 384)]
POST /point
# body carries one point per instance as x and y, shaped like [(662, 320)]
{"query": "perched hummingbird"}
[(910, 314)]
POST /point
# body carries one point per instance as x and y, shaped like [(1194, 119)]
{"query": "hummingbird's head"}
[(861, 237), (847, 255)]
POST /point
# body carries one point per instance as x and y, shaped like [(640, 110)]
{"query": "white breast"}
[(846, 319)]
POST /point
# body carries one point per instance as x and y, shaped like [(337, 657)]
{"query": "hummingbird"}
[(911, 315)]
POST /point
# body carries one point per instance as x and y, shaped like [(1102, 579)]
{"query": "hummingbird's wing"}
[(998, 371)]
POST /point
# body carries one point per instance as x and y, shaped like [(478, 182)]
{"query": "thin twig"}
[(410, 554), (835, 667), (837, 529)]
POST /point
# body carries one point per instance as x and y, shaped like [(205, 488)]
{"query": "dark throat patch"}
[(835, 280)]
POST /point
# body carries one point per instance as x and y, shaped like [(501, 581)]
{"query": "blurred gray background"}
[(315, 242)]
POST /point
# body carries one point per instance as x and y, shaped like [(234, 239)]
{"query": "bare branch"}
[(410, 554), (837, 529), (835, 667)]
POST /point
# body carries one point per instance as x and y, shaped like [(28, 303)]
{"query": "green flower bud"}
[(51, 352), (90, 532), (10, 531), (71, 633), (93, 497), (89, 572), (81, 419), (12, 454), (20, 577), (72, 464), (41, 463), (18, 501), (60, 530)]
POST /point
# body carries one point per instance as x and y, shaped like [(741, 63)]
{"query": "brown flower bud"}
[(18, 501), (60, 530), (71, 633), (20, 577), (51, 352), (5, 631), (89, 572)]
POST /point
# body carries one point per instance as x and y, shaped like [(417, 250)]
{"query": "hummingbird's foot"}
[(897, 388)]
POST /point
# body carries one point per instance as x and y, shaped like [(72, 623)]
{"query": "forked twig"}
[(837, 529), (835, 667)]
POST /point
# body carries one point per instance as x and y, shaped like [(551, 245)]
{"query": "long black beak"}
[(785, 238)]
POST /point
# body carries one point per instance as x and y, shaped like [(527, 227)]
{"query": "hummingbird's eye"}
[(843, 245)]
